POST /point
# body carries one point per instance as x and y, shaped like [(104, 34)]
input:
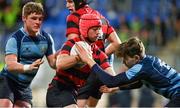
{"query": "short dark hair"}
[(79, 3), (134, 46), (32, 7)]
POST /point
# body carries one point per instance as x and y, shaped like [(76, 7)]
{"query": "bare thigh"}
[(71, 106), (90, 102), (6, 103), (23, 104), (82, 103)]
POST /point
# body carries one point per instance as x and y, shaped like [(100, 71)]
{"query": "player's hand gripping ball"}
[(86, 46)]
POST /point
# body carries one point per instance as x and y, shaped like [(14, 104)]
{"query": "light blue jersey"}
[(28, 49)]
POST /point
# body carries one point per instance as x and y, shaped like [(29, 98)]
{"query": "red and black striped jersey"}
[(73, 24), (76, 76)]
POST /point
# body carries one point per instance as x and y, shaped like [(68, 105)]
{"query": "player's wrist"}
[(91, 63), (26, 68)]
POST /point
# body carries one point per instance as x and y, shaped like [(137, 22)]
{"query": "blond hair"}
[(32, 7)]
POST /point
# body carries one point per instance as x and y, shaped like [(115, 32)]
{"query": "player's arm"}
[(72, 30), (105, 89), (133, 85), (128, 77), (52, 61), (72, 35), (11, 59), (65, 61), (110, 70), (51, 52), (14, 66), (114, 43)]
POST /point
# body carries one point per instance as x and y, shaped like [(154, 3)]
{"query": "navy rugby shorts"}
[(60, 95), (13, 91)]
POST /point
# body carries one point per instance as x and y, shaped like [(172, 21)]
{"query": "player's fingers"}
[(41, 62), (79, 48), (38, 60), (37, 64)]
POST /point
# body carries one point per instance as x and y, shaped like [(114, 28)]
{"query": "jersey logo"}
[(26, 50), (43, 49)]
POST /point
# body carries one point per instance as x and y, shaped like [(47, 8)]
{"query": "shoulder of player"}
[(73, 15), (18, 35), (45, 35), (71, 42)]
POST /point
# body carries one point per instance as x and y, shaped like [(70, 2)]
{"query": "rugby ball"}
[(84, 44), (73, 51)]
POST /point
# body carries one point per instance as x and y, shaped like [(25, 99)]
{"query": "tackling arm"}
[(52, 61), (109, 80), (72, 35), (133, 85)]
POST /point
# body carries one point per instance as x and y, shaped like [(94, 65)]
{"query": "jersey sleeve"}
[(106, 27), (109, 80), (133, 85), (66, 48), (51, 48), (11, 46), (133, 72), (118, 80), (72, 24), (104, 61), (110, 28)]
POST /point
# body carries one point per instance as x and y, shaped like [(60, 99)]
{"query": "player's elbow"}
[(53, 65), (9, 68), (59, 63), (59, 67)]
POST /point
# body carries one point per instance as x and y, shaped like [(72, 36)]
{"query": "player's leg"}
[(85, 92), (83, 95), (6, 103), (92, 102), (6, 95), (22, 95), (174, 102), (82, 103), (95, 94), (71, 106), (60, 95), (89, 94), (24, 104)]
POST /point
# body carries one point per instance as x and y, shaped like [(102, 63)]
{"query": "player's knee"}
[(22, 104), (92, 102), (6, 103), (82, 103)]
